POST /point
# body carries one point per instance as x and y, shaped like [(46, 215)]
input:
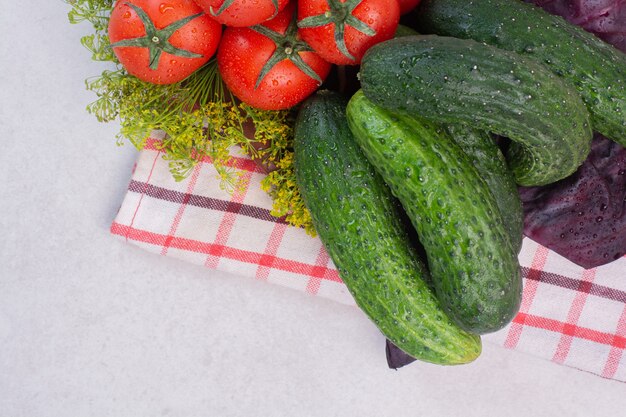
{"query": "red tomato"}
[(267, 66), (240, 13), (340, 31), (160, 42), (407, 5)]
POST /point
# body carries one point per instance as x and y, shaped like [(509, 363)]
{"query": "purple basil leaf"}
[(604, 18), (396, 358), (583, 217)]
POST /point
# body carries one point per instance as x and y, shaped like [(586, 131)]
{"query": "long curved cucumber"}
[(474, 268), (453, 80)]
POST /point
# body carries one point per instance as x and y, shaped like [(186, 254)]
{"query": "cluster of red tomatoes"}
[(271, 54)]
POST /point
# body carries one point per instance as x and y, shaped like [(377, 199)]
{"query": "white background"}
[(90, 326)]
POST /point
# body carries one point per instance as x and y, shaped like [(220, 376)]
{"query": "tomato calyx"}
[(339, 15), (288, 46), (228, 3), (157, 40)]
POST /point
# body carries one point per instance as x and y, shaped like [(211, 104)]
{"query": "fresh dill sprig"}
[(281, 185), (97, 13)]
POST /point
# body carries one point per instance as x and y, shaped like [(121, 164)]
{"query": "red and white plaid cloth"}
[(568, 315)]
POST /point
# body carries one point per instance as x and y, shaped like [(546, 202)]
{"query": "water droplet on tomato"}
[(165, 7), (127, 14), (173, 61), (274, 82)]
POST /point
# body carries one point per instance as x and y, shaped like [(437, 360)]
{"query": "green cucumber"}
[(403, 30), (491, 165), (473, 265), (461, 81), (597, 69), (358, 220)]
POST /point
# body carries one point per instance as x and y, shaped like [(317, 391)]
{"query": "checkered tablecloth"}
[(568, 315)]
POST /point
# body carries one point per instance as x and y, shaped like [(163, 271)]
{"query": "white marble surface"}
[(90, 326)]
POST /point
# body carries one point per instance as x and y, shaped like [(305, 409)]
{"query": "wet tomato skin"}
[(243, 53), (242, 12), (383, 16), (201, 36)]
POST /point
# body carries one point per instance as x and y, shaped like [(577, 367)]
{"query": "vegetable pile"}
[(372, 134)]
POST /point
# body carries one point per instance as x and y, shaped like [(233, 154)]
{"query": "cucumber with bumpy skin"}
[(596, 68), (485, 155), (358, 220), (451, 81), (473, 265)]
